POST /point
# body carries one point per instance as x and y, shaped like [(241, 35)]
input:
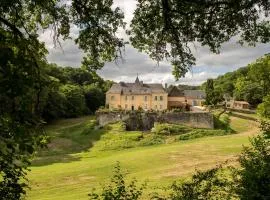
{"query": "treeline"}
[(71, 92), (250, 83)]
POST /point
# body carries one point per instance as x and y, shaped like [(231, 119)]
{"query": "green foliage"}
[(94, 97), (169, 129), (164, 28), (211, 184), (213, 95), (199, 133), (222, 122), (249, 83), (255, 173), (265, 128), (119, 189), (264, 108), (74, 99), (260, 73)]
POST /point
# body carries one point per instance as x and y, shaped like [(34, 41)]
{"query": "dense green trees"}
[(249, 83), (71, 92), (161, 28), (264, 107), (213, 95)]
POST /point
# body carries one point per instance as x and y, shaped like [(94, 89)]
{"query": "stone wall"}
[(145, 121)]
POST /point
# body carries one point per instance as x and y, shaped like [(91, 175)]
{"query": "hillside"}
[(78, 160), (250, 83)]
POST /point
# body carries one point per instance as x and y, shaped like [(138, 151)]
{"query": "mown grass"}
[(78, 159)]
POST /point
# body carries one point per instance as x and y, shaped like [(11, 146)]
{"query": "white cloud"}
[(208, 65)]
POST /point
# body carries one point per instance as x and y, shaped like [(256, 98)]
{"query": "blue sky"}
[(208, 65)]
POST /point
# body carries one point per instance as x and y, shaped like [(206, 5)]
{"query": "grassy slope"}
[(69, 172)]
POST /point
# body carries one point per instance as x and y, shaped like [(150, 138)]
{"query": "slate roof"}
[(196, 94), (136, 88), (175, 92)]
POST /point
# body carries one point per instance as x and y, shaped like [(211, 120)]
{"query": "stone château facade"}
[(132, 96)]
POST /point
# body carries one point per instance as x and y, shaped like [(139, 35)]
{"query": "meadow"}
[(79, 158)]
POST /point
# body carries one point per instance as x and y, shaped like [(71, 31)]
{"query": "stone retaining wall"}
[(145, 121)]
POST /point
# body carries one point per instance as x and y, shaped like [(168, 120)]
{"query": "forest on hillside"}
[(250, 83), (71, 92)]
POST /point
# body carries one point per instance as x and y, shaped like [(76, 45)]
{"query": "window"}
[(160, 106), (161, 98), (132, 97), (126, 106), (155, 98), (145, 98), (112, 98), (126, 98), (156, 107)]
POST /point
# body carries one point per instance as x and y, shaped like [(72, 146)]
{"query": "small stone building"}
[(241, 105)]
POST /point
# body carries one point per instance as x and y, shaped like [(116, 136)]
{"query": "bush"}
[(90, 126), (151, 139), (211, 185), (118, 189), (223, 122), (169, 129), (198, 133)]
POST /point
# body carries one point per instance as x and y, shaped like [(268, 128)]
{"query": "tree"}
[(260, 73), (118, 188), (22, 60), (164, 29), (213, 95), (75, 102), (264, 108), (209, 90), (94, 97)]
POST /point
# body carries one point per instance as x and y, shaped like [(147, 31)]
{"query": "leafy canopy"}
[(165, 29)]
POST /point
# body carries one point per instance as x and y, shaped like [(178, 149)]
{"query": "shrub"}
[(169, 129), (223, 122), (265, 128), (151, 139), (212, 184), (198, 133), (90, 126), (118, 188)]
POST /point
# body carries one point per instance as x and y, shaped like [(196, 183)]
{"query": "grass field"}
[(76, 160)]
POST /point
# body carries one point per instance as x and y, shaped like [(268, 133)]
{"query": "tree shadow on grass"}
[(65, 142)]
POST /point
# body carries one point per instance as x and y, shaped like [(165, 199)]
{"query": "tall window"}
[(161, 98), (132, 97), (126, 98), (155, 98), (145, 98)]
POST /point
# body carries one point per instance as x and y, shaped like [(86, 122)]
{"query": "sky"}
[(208, 65)]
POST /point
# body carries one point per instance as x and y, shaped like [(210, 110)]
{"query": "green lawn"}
[(75, 163)]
